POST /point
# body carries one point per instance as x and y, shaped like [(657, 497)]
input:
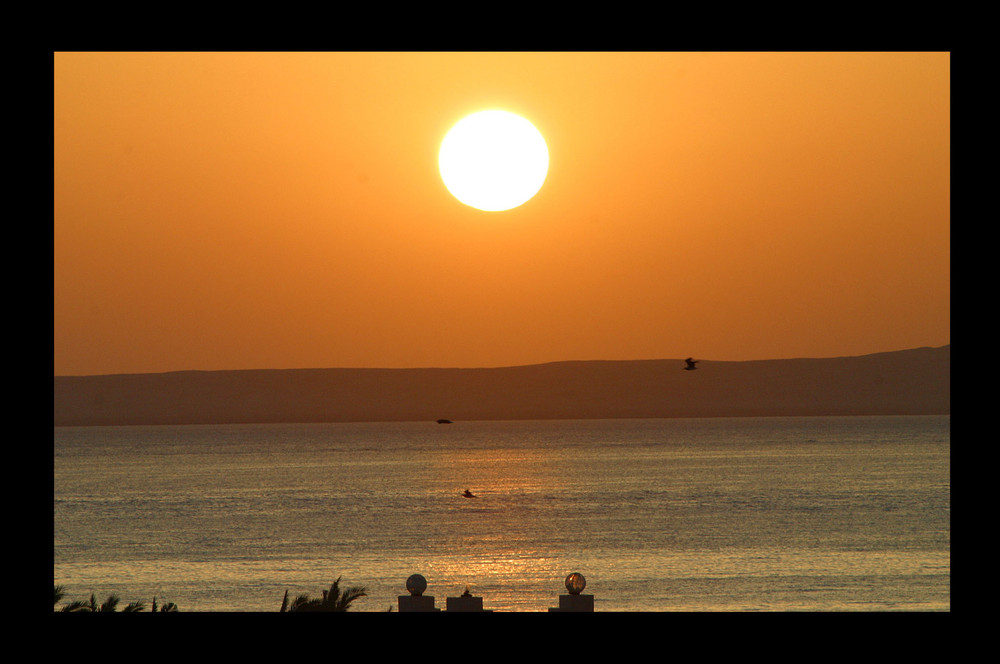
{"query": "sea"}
[(770, 514)]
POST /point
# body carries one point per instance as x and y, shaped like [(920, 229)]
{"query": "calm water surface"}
[(741, 514)]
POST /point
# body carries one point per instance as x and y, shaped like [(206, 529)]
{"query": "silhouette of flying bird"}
[(690, 364)]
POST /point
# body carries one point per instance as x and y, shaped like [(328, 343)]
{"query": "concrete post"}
[(416, 601), (575, 601), (464, 604)]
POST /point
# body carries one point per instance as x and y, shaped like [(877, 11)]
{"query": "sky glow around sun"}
[(493, 160)]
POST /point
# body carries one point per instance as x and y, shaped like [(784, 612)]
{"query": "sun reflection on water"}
[(491, 541)]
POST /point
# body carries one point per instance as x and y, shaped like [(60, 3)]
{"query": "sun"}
[(493, 160)]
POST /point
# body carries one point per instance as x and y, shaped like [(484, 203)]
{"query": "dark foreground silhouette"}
[(334, 600), (110, 605)]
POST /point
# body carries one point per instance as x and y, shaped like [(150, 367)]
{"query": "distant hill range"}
[(908, 382)]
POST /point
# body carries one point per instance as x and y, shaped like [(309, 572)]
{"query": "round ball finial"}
[(575, 583), (416, 585)]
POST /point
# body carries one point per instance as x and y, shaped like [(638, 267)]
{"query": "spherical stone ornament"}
[(416, 585), (575, 583)]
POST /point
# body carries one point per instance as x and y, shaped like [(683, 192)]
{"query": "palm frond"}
[(110, 604), (334, 600), (348, 596), (75, 607), (302, 603)]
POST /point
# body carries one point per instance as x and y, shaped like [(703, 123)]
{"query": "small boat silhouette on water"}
[(444, 422), (691, 362), (468, 494)]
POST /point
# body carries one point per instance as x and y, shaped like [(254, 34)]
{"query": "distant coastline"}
[(907, 382)]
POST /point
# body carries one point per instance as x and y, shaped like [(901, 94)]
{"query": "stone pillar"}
[(416, 601), (575, 601), (465, 604)]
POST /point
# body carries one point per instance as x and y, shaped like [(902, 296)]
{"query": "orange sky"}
[(284, 210)]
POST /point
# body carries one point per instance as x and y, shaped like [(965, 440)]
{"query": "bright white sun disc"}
[(493, 160)]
